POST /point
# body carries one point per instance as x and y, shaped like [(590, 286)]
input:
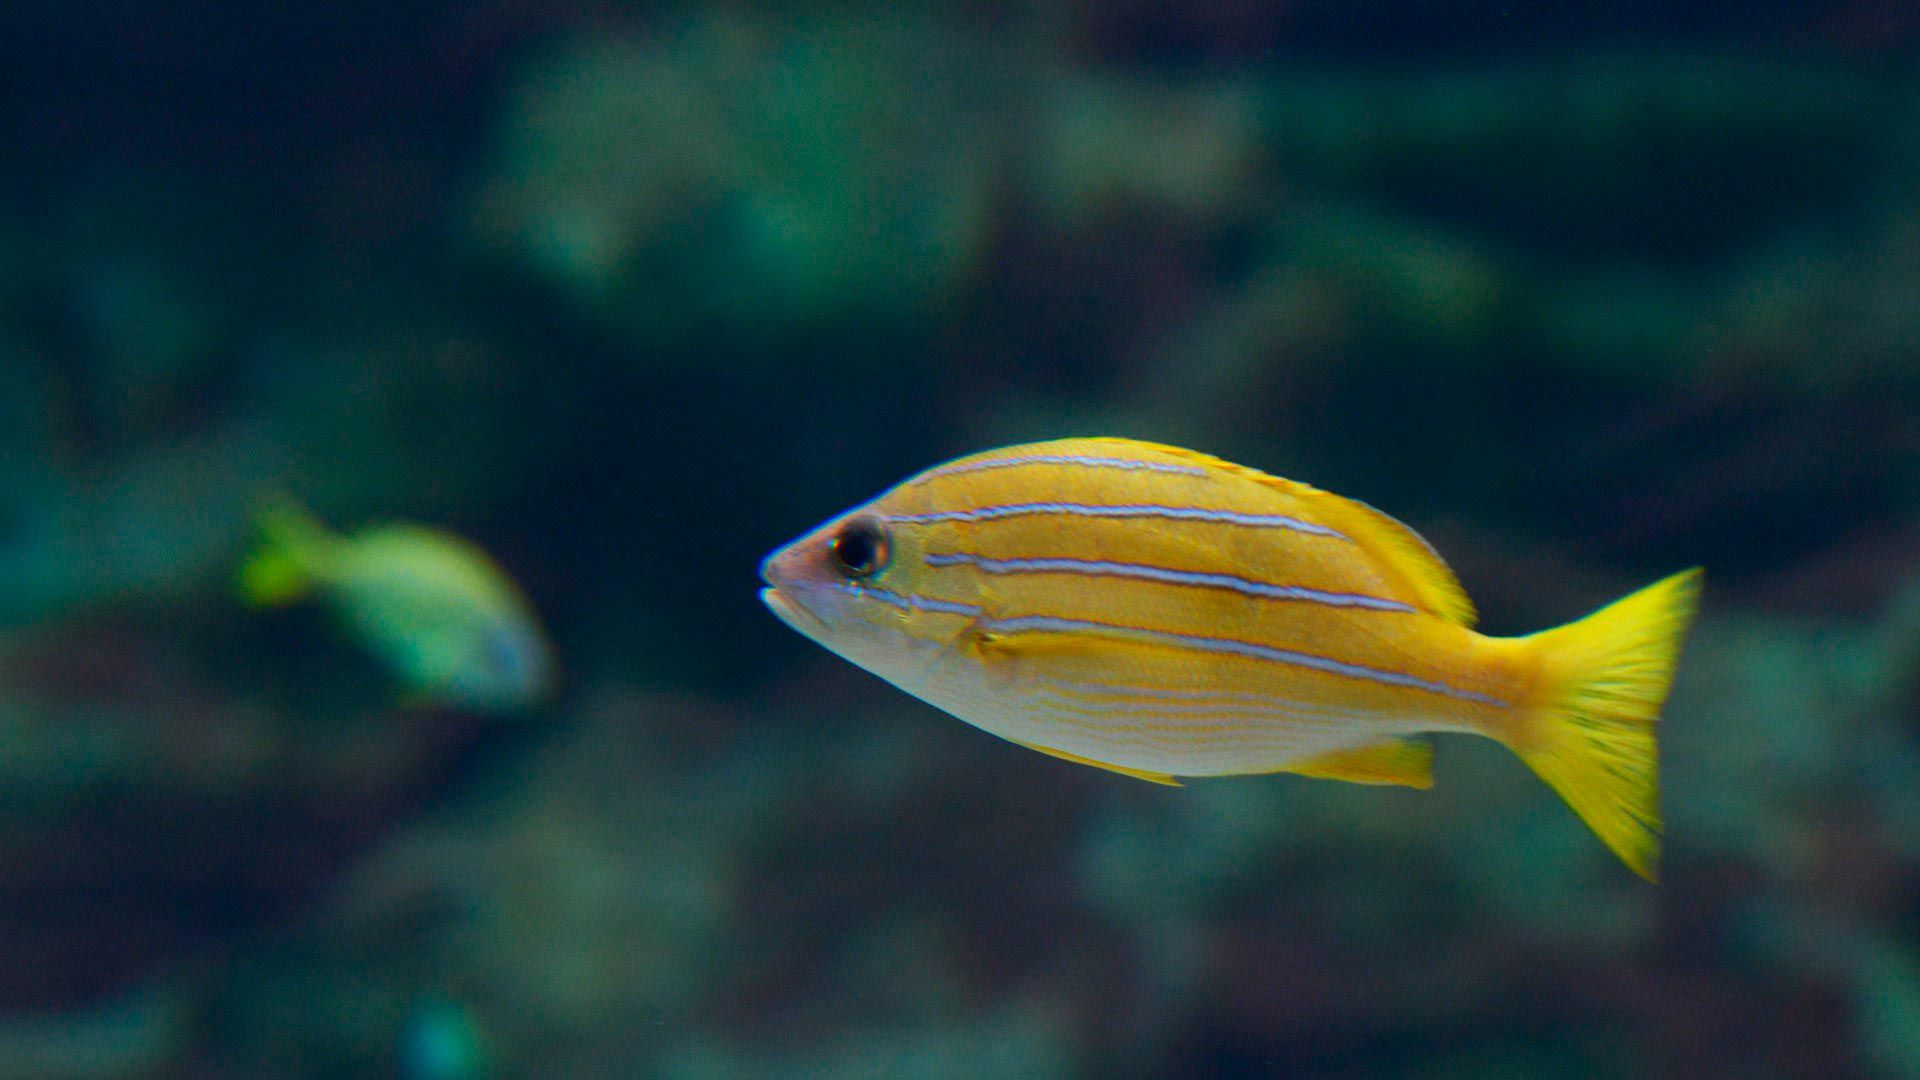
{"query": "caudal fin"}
[(1590, 730), (282, 568)]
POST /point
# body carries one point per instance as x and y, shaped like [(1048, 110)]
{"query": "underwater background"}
[(631, 294)]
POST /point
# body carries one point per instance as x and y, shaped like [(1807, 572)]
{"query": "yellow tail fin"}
[(284, 567), (1590, 730)]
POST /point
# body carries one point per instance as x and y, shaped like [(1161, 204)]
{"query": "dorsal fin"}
[(1402, 554), (1402, 551)]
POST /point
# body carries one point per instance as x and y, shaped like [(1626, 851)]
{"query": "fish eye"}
[(860, 549)]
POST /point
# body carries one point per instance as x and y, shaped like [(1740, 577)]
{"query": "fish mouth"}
[(791, 613), (780, 595)]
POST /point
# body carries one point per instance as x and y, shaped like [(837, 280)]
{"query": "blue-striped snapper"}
[(1162, 613)]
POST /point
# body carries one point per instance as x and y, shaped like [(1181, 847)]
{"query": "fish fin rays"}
[(1137, 774), (1009, 644), (1424, 579), (1404, 762), (1405, 554), (1590, 735)]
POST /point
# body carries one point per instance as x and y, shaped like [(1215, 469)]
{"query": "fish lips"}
[(792, 613), (780, 596)]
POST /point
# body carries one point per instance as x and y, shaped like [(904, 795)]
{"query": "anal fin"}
[(1406, 762), (1137, 774)]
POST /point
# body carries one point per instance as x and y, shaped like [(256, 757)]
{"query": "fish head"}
[(858, 586), (504, 662)]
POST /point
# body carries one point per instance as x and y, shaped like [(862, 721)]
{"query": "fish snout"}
[(789, 568), (770, 569), (788, 578)]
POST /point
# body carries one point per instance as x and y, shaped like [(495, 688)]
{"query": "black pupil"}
[(859, 549)]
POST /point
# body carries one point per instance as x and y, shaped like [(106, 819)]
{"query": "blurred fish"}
[(1161, 613), (433, 606)]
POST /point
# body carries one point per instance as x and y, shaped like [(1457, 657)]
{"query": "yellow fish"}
[(1162, 613), (432, 605)]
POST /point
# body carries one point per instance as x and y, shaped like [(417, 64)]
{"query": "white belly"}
[(1182, 733)]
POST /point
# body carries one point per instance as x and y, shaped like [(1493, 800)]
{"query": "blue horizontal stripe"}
[(1236, 647), (909, 601), (1145, 572), (1128, 510)]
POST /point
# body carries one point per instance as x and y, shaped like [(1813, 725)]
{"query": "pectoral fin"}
[(1026, 644), (1138, 774), (1407, 762), (1002, 652)]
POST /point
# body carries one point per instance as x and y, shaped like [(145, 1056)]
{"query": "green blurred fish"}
[(441, 613)]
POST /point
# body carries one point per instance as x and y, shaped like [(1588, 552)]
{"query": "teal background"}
[(630, 294)]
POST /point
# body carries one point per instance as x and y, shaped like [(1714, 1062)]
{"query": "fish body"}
[(433, 606), (1162, 613)]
